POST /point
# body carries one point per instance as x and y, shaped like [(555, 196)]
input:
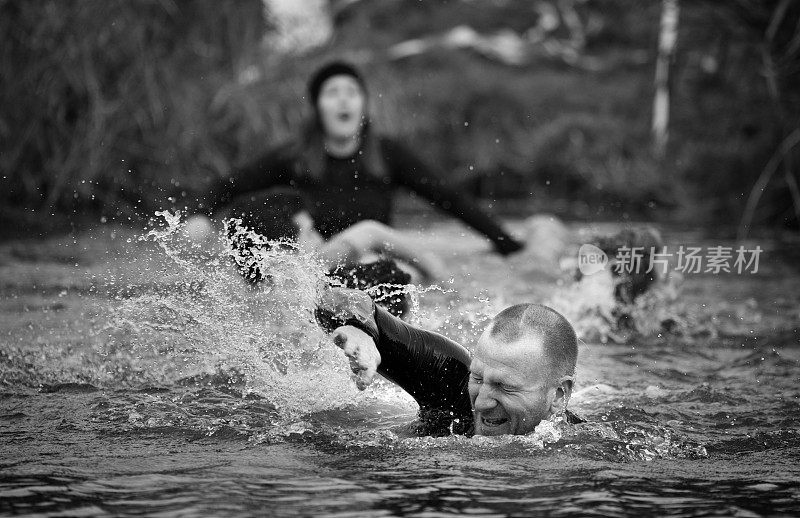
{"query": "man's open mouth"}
[(344, 117), (493, 422)]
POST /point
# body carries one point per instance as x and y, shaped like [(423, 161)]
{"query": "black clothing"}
[(382, 280), (268, 213), (346, 193), (433, 369)]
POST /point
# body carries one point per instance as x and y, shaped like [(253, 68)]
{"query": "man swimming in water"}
[(520, 374)]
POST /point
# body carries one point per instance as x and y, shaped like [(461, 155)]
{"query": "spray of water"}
[(191, 346), (262, 332), (589, 304)]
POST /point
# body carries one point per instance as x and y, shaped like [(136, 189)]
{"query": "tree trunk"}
[(668, 36)]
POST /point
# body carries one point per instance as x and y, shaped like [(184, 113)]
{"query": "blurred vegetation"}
[(120, 108), (110, 105)]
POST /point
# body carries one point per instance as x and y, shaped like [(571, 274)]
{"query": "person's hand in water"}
[(360, 349)]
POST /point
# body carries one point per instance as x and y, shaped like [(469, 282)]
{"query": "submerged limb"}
[(360, 349)]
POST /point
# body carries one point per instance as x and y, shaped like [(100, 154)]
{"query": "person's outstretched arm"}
[(433, 369), (410, 172)]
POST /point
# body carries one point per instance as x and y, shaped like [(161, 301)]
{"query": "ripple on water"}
[(168, 386)]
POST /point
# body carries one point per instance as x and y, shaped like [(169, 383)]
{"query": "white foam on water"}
[(266, 332)]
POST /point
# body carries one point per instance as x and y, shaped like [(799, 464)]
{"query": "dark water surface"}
[(134, 383)]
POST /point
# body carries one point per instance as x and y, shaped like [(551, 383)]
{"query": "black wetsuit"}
[(433, 369), (346, 194)]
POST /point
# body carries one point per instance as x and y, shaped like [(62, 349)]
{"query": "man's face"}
[(508, 386)]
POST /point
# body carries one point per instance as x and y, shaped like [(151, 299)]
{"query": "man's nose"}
[(484, 402)]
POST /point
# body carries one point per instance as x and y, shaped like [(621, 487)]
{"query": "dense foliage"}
[(106, 103), (114, 107)]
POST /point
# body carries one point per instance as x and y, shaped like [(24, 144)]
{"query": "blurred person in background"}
[(347, 171)]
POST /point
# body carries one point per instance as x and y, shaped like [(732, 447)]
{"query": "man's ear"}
[(563, 393)]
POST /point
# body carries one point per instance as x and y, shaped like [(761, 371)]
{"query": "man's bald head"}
[(559, 342), (518, 369)]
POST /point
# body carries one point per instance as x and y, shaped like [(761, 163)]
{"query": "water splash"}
[(589, 304), (265, 331)]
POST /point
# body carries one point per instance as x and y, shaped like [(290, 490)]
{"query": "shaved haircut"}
[(559, 340)]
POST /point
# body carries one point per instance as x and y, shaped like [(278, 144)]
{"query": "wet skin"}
[(511, 387)]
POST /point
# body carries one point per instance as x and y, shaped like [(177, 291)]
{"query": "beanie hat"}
[(334, 68)]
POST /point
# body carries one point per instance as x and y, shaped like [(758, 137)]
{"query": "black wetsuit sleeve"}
[(433, 369), (410, 172), (271, 169)]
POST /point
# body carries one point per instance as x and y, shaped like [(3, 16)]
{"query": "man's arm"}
[(433, 369), (427, 365)]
